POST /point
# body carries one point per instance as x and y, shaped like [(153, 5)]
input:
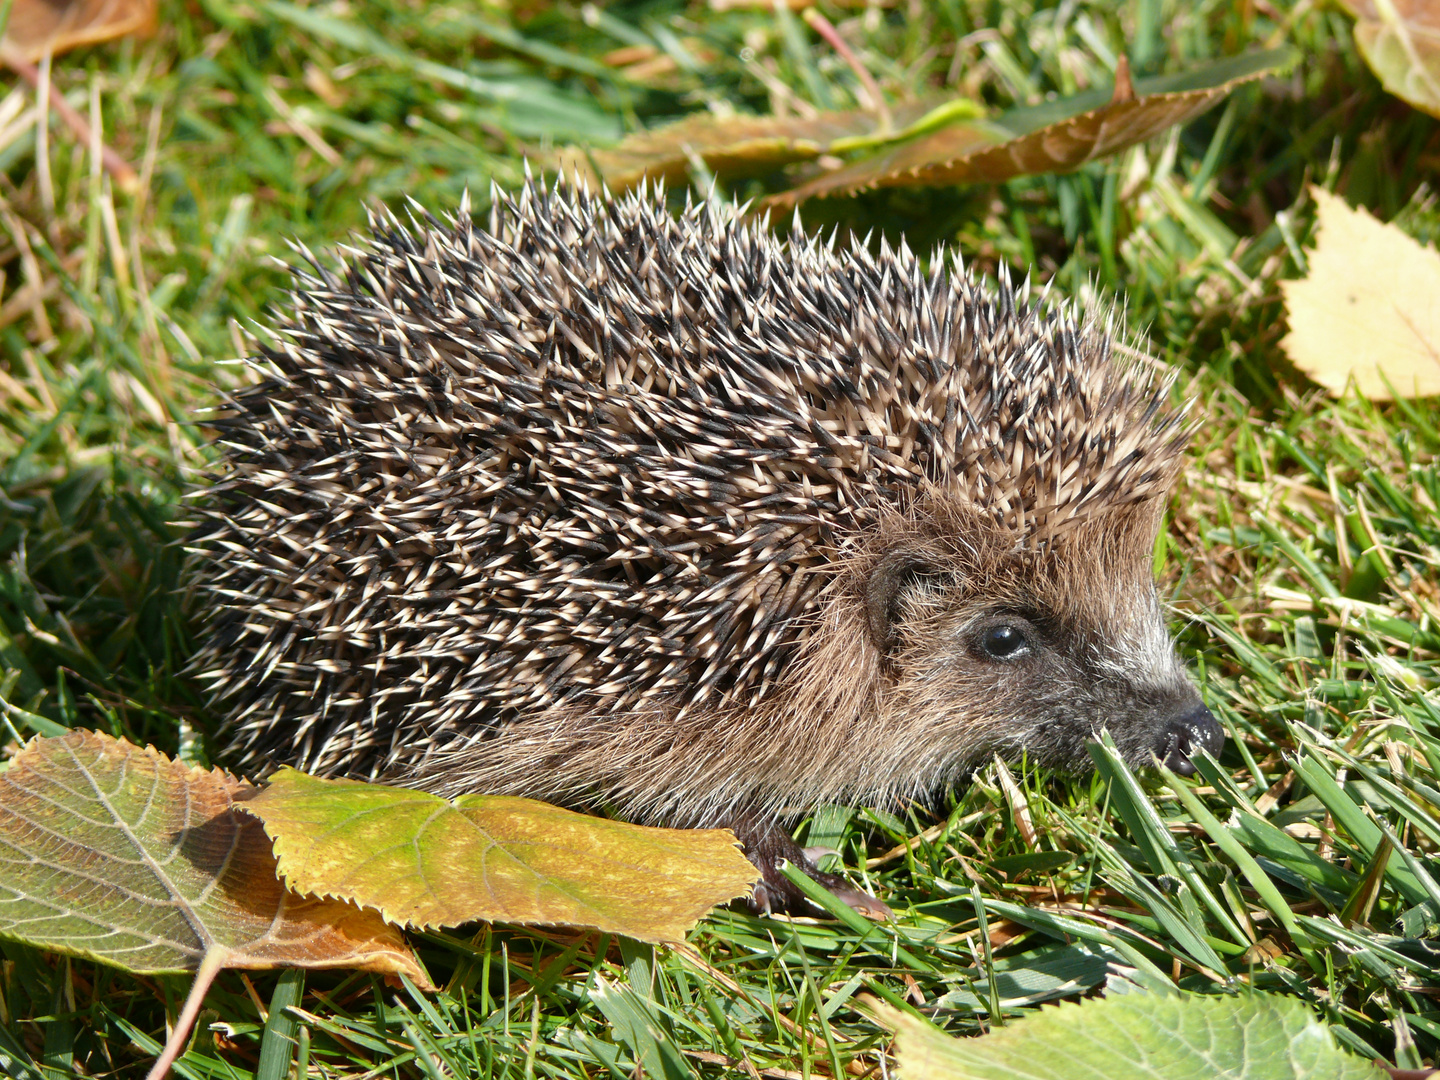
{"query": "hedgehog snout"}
[(1195, 730)]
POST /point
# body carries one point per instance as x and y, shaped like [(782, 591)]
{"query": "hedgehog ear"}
[(894, 573)]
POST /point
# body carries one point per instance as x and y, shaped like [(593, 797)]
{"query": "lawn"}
[(1300, 556)]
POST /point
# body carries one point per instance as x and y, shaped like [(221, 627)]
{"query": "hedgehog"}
[(669, 517)]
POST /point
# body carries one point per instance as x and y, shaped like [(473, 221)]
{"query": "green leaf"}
[(15, 1062), (1265, 840), (423, 861), (281, 1027), (558, 113), (1246, 1037), (1227, 841), (730, 146), (1351, 817), (1066, 927), (1154, 839)]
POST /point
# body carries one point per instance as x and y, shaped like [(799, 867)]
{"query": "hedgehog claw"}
[(759, 902), (862, 902)]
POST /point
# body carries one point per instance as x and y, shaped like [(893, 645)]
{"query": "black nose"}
[(1197, 729)]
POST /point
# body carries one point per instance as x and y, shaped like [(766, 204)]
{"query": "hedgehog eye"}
[(1004, 641)]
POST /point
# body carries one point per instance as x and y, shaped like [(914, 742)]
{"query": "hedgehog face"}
[(1035, 653)]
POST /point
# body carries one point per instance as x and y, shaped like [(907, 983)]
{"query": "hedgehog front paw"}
[(768, 845), (775, 894)]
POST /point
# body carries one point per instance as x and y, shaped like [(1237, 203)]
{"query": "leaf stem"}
[(210, 965)]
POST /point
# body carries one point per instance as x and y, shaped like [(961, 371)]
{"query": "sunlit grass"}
[(1300, 559)]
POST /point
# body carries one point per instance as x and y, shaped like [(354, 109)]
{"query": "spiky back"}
[(598, 457)]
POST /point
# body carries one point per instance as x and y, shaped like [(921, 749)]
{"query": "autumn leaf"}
[(1056, 137), (929, 142), (1400, 40), (121, 855), (423, 861), (1366, 310), (37, 27)]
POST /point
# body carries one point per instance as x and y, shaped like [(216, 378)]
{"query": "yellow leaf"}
[(423, 861), (1368, 308), (1400, 40)]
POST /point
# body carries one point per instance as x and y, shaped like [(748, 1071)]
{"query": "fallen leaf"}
[(1055, 137), (731, 146), (424, 861), (1367, 309), (37, 27), (1400, 40), (928, 142), (121, 855), (1253, 1036)]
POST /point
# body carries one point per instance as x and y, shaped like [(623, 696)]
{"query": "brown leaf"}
[(1124, 89), (37, 27), (1056, 137), (1400, 40), (121, 855), (424, 861), (929, 142)]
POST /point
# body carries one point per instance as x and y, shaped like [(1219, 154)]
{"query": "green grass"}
[(1302, 551)]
